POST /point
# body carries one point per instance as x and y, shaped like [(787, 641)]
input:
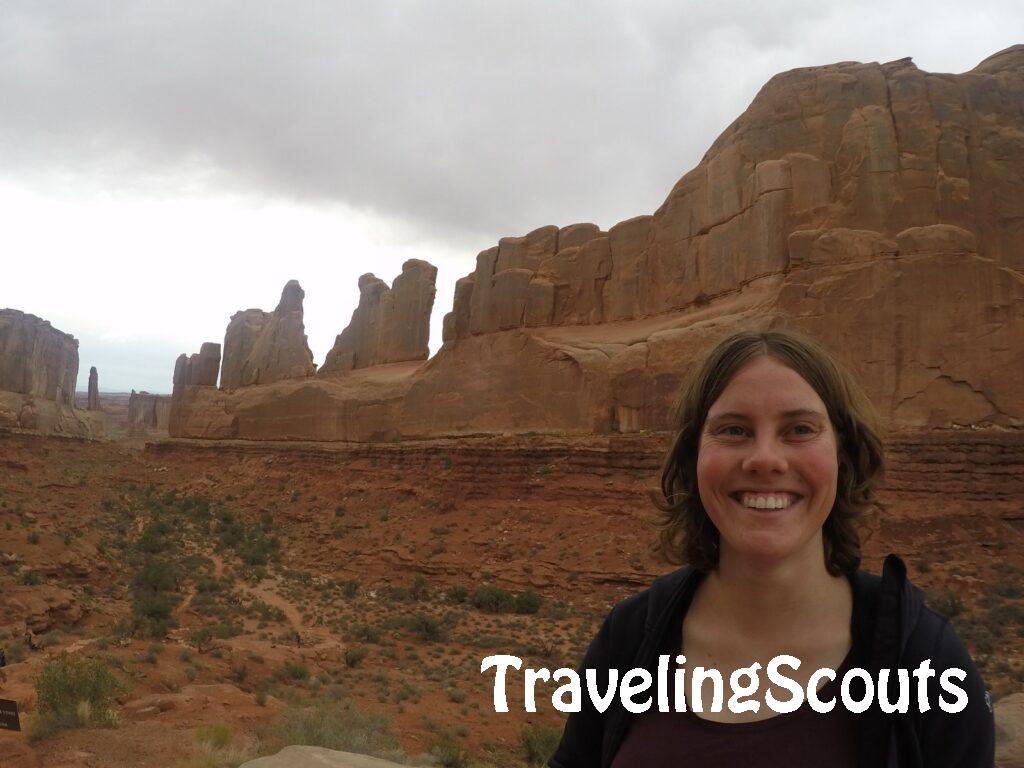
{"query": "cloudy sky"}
[(165, 164)]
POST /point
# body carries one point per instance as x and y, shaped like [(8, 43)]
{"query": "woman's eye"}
[(803, 429), (733, 430)]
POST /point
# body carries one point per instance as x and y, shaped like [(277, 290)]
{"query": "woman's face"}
[(767, 465)]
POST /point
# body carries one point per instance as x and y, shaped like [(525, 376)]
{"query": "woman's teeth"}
[(766, 501)]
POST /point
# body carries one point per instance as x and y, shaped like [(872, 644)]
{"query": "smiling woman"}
[(777, 456)]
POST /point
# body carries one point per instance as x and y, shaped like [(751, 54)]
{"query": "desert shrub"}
[(214, 748), (448, 752), (72, 692), (201, 638), (539, 742), (152, 614), (418, 590), (354, 656), (528, 602), (948, 603), (493, 599), (425, 627), (332, 726), (295, 671), (457, 594), (557, 609)]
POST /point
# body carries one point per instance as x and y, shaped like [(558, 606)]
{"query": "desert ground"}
[(250, 595)]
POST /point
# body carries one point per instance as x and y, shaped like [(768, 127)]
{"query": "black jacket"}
[(891, 625)]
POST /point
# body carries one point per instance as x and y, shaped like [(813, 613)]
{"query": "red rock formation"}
[(876, 206), (38, 374), (390, 325), (263, 347), (36, 359), (198, 369), (94, 392), (148, 412)]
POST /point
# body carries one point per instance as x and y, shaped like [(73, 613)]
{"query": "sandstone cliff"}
[(36, 359), (38, 374), (148, 412), (390, 325), (879, 207), (264, 347)]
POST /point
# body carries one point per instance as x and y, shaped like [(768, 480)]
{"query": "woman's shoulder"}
[(644, 611)]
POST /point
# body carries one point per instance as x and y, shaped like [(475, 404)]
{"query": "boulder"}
[(317, 757), (1009, 713)]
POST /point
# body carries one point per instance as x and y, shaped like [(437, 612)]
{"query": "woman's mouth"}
[(765, 499)]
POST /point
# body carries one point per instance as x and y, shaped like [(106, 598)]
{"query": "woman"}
[(777, 455)]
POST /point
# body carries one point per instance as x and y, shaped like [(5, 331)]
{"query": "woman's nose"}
[(765, 456)]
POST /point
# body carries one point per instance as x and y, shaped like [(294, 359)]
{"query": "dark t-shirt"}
[(800, 739)]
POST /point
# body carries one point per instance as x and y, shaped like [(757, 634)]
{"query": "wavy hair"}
[(686, 533)]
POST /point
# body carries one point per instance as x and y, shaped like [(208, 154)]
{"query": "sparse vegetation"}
[(73, 692), (539, 743)]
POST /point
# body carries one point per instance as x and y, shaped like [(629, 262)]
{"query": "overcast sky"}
[(165, 164)]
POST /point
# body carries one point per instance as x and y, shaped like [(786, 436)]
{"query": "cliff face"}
[(148, 412), (390, 325), (38, 374), (879, 207), (264, 347), (36, 359)]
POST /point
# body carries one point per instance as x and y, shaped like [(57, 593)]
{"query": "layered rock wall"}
[(148, 412), (875, 206), (36, 359), (264, 347), (390, 325)]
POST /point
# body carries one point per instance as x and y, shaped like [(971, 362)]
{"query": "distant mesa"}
[(876, 206), (148, 412)]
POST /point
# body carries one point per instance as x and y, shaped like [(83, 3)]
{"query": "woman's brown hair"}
[(687, 533)]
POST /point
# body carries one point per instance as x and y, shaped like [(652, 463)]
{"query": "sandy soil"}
[(381, 548)]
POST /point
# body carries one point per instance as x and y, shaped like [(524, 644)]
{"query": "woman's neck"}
[(768, 599)]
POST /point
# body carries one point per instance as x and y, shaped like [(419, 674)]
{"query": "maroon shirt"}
[(800, 739)]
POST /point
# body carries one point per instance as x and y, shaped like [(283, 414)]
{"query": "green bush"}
[(449, 752), (539, 743), (217, 735), (457, 594), (493, 599), (72, 692), (354, 656), (425, 627), (528, 602), (295, 670)]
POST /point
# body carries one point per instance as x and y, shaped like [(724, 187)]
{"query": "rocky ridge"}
[(875, 206)]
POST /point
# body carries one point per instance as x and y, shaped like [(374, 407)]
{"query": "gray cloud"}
[(463, 118)]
